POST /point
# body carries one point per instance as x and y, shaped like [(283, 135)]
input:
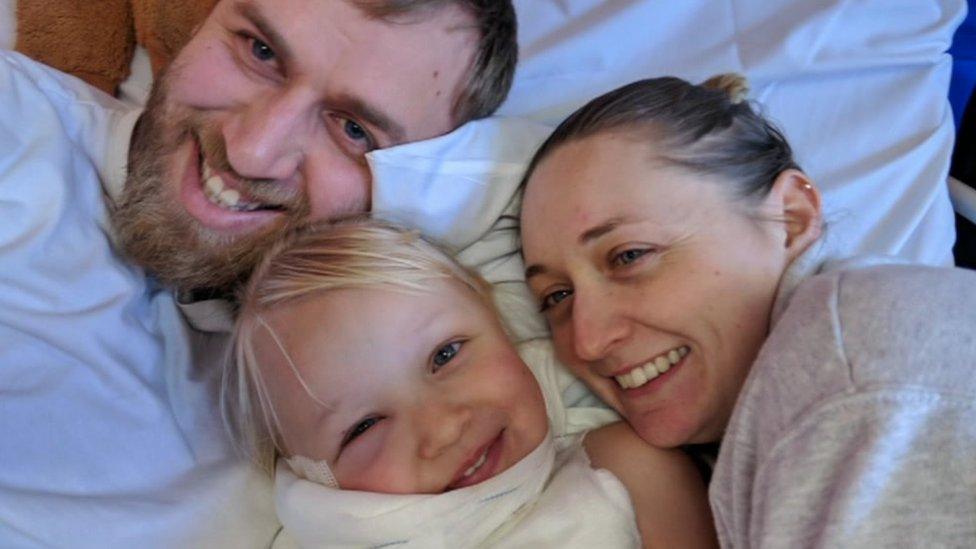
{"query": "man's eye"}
[(627, 257), (553, 299), (445, 354), (355, 131), (261, 51), (359, 429)]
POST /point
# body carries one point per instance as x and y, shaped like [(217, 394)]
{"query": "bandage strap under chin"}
[(321, 516)]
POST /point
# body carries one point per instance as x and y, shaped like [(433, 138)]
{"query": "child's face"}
[(426, 392)]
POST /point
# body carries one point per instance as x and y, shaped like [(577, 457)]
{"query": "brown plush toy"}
[(94, 39)]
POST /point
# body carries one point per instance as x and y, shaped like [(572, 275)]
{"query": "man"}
[(108, 377)]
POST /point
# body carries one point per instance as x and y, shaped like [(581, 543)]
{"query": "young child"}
[(378, 370)]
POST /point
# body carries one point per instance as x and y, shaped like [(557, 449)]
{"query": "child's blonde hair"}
[(355, 253)]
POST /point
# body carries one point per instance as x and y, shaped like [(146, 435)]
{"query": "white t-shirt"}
[(108, 432)]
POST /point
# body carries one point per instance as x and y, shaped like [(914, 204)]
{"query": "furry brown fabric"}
[(94, 39)]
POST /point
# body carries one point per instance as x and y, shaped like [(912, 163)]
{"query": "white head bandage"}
[(312, 470)]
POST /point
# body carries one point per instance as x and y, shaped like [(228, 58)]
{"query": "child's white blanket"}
[(552, 498)]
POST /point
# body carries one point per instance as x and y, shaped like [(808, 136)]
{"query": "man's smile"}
[(218, 202)]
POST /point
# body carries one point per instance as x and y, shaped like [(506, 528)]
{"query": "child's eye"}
[(445, 354), (359, 429), (552, 299)]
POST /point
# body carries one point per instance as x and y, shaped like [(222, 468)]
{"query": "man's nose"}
[(596, 322), (442, 425), (267, 138)]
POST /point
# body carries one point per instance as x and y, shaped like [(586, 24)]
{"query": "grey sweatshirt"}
[(857, 424)]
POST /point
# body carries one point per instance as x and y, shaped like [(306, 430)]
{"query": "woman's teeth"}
[(229, 199), (481, 461), (653, 368)]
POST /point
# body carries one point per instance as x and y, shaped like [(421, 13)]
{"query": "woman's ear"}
[(801, 210)]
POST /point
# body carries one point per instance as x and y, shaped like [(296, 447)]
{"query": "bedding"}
[(858, 87)]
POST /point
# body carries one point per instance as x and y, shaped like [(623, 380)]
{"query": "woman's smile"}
[(642, 374), (658, 294)]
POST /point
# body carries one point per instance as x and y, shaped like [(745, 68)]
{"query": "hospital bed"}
[(860, 87), (963, 187)]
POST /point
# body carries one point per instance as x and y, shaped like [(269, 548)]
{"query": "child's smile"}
[(402, 392)]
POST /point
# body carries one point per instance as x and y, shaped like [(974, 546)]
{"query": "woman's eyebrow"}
[(586, 237), (603, 228)]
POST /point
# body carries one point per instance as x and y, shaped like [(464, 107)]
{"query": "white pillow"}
[(859, 88), (455, 187)]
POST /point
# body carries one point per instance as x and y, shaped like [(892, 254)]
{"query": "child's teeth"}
[(477, 465)]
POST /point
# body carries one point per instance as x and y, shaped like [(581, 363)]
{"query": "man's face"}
[(263, 121)]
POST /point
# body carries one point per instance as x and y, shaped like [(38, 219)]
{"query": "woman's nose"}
[(441, 425), (266, 140), (596, 324)]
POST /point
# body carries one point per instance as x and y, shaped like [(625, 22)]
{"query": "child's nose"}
[(442, 426)]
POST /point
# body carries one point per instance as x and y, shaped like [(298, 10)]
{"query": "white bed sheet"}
[(859, 86)]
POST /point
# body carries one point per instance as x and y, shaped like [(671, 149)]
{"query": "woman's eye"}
[(359, 429), (261, 51), (554, 298), (627, 257), (445, 354)]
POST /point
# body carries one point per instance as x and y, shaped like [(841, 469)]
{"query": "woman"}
[(676, 250)]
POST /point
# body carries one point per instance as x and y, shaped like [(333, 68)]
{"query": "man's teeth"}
[(213, 189), (652, 368), (481, 461)]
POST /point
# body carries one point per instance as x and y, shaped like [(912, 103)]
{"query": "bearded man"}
[(122, 231)]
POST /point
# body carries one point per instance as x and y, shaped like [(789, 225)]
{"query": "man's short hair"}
[(491, 74)]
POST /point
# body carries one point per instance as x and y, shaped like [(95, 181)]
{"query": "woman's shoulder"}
[(869, 301), (919, 283), (893, 325), (859, 339)]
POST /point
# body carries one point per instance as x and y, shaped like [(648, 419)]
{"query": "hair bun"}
[(733, 84)]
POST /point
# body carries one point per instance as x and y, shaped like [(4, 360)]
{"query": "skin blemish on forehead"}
[(437, 74)]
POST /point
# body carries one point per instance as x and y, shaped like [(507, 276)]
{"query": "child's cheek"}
[(373, 463)]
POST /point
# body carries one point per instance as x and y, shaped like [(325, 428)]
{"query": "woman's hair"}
[(707, 129), (353, 254)]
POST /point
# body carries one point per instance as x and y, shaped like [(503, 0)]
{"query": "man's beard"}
[(151, 225)]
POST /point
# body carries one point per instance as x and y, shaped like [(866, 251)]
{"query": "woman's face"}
[(657, 286)]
